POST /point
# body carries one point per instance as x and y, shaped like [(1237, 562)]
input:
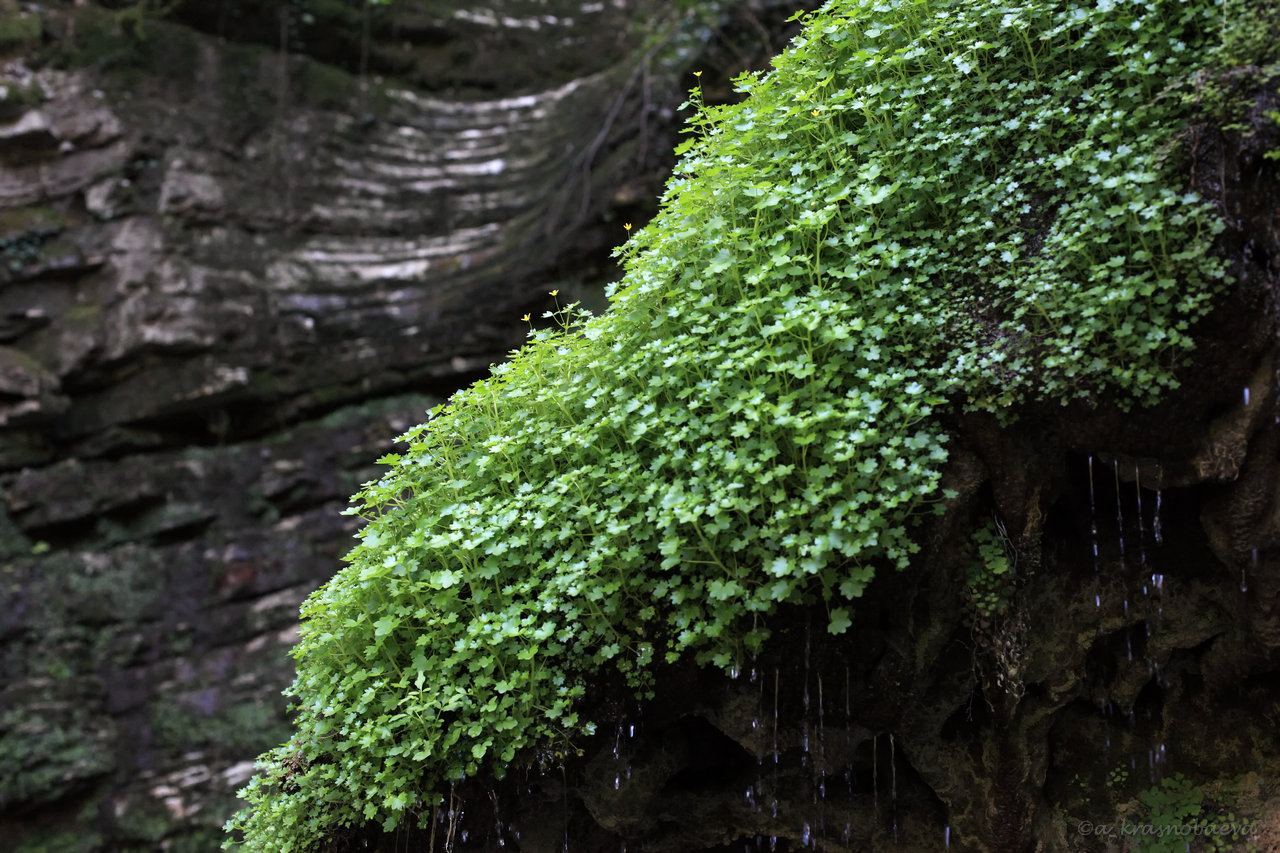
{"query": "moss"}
[(145, 821), (27, 236), (327, 86), (48, 748), (19, 28), (59, 841), (93, 38), (16, 99), (24, 220), (13, 543), (242, 729)]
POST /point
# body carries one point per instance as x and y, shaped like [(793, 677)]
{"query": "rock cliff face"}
[(241, 248)]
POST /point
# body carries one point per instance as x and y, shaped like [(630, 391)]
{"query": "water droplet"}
[(1142, 532), (1155, 521), (1119, 510), (804, 722), (774, 792), (1093, 518), (1246, 396), (946, 837)]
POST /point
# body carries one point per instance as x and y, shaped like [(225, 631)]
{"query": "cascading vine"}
[(924, 204)]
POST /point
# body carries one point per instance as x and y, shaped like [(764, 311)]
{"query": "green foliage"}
[(925, 203), (991, 572), (1179, 819), (19, 27)]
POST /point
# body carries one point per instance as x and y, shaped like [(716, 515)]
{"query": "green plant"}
[(991, 573), (1179, 819), (1118, 776), (926, 203)]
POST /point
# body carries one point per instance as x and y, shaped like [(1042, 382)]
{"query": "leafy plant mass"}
[(1178, 816), (924, 204)]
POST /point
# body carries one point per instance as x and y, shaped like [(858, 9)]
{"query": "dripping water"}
[(1093, 534), (773, 794), (756, 723), (820, 793), (893, 788), (617, 755), (1142, 530), (1155, 521), (497, 819), (1155, 759), (804, 722), (848, 748), (875, 775), (1119, 512)]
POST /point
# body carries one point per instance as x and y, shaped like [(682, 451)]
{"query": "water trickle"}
[(875, 774), (804, 722), (1093, 518), (820, 792), (1155, 521), (848, 747), (497, 819), (617, 755), (774, 793), (756, 722), (1246, 396), (1093, 535), (1119, 511), (893, 788), (1142, 531), (822, 746), (946, 837)]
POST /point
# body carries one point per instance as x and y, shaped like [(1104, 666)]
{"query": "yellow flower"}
[(525, 318), (815, 112), (554, 292), (626, 227), (697, 74)]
